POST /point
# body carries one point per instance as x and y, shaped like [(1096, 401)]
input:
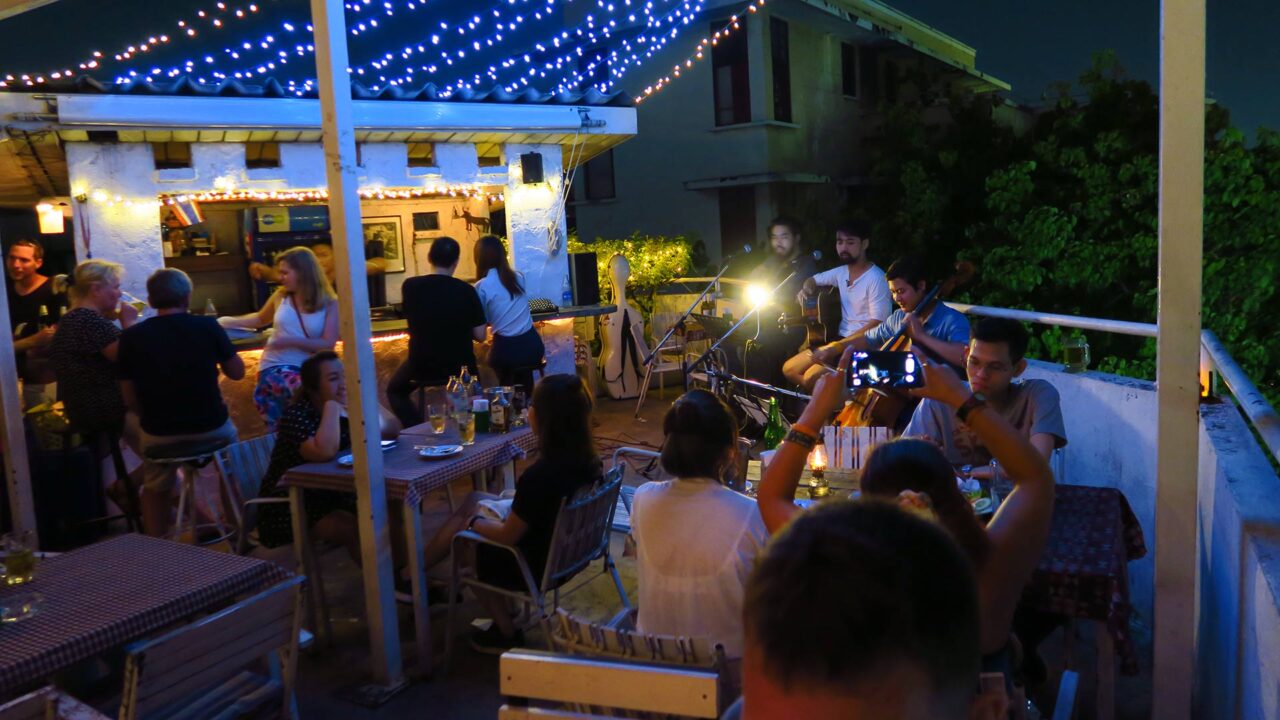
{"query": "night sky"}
[(1028, 44)]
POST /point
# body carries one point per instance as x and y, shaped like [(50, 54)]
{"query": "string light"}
[(185, 28), (699, 54), (475, 191)]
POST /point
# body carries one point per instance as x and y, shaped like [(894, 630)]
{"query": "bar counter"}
[(390, 349)]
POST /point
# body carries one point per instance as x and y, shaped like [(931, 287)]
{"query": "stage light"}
[(758, 295)]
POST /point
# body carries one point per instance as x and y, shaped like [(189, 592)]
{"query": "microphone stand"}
[(648, 360), (764, 387), (745, 316)]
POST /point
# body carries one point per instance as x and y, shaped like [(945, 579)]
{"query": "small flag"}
[(187, 213)]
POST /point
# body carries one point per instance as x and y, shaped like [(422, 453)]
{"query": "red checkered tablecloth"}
[(410, 477), (1083, 571), (102, 596)]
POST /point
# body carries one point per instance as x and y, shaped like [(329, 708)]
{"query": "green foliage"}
[(1063, 218), (655, 260)]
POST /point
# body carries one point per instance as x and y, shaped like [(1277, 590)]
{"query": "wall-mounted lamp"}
[(53, 213), (531, 168)]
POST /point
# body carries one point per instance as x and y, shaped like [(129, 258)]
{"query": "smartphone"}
[(388, 444), (884, 369)]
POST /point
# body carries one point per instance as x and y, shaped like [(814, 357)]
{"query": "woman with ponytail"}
[(516, 344), (696, 540), (916, 473)]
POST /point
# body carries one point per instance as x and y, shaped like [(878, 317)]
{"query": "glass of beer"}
[(438, 413), (19, 558), (466, 427), (1075, 354)]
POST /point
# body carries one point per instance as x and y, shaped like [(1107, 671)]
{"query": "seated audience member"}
[(1003, 555), (994, 359), (444, 316), (303, 314), (168, 369), (314, 429), (941, 335), (560, 417), (516, 343), (860, 610), (696, 540)]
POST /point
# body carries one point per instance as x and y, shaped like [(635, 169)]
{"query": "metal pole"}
[(1182, 51), (357, 351)]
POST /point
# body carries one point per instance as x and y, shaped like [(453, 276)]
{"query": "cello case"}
[(624, 348)]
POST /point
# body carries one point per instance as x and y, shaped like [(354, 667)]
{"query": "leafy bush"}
[(655, 260)]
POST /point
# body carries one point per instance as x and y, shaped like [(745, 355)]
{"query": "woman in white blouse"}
[(516, 344), (696, 540)]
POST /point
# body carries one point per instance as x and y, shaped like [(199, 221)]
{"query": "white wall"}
[(1111, 442), (130, 234), (1238, 634)]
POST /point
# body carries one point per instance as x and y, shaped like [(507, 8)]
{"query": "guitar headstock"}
[(964, 274)]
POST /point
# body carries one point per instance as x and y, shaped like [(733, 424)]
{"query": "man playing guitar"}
[(942, 334), (763, 361), (864, 299)]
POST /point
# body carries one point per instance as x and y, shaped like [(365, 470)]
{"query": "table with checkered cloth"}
[(102, 596), (1083, 571), (411, 477)]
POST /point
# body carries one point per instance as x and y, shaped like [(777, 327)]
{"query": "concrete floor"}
[(471, 689)]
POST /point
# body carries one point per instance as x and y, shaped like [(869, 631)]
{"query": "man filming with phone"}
[(942, 334)]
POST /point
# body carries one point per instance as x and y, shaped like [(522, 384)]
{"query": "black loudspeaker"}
[(584, 278), (531, 168)]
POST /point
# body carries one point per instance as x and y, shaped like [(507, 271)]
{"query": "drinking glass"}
[(439, 415), (1075, 354), (519, 407), (466, 427), (19, 558)]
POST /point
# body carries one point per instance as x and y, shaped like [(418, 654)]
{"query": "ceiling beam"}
[(9, 8)]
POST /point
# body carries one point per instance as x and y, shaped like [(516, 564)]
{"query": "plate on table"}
[(436, 452), (982, 506), (348, 460), (19, 606)]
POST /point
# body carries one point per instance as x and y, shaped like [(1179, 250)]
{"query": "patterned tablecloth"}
[(1083, 572), (102, 596), (411, 477)]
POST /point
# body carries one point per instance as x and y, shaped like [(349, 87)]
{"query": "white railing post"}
[(1182, 51), (357, 350)]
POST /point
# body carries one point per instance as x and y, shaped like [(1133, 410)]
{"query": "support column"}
[(357, 351), (535, 222), (1182, 51)]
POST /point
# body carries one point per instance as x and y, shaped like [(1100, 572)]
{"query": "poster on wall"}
[(386, 230)]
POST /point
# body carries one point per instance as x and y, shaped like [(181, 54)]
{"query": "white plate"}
[(348, 460), (435, 452), (982, 506)]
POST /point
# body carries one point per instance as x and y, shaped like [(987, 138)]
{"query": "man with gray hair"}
[(169, 378)]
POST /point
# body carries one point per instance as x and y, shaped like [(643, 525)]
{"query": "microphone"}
[(816, 255)]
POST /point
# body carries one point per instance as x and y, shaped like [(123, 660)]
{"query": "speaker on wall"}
[(584, 278)]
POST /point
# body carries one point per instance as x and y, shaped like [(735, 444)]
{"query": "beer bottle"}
[(773, 429)]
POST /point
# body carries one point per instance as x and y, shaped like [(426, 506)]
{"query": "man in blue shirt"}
[(942, 335)]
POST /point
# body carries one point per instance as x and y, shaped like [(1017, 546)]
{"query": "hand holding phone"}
[(883, 370)]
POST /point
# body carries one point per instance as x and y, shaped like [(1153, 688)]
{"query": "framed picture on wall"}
[(386, 231)]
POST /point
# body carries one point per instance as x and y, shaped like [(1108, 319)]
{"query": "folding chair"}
[(242, 466), (198, 670), (550, 685), (581, 536)]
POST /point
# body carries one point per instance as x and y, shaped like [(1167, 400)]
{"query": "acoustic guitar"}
[(882, 407), (810, 318)]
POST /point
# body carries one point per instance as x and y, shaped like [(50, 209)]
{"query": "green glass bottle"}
[(773, 429)]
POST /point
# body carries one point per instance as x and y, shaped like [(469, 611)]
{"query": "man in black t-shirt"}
[(444, 316), (29, 292), (169, 378)]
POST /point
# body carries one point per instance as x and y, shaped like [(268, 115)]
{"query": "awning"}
[(756, 179)]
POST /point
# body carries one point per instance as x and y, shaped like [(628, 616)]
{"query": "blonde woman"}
[(85, 347), (304, 315)]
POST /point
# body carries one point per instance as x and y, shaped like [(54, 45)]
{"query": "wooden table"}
[(410, 478), (106, 595)]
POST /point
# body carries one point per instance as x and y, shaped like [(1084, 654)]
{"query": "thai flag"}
[(188, 213)]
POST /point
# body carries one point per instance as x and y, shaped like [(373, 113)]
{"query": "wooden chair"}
[(581, 536), (549, 685), (619, 640), (242, 466), (198, 670), (48, 703)]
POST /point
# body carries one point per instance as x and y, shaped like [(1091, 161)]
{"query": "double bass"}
[(881, 407)]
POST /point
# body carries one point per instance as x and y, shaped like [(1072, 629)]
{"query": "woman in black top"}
[(560, 416), (314, 429)]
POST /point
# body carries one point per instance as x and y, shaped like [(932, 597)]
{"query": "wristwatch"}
[(975, 401), (802, 437)]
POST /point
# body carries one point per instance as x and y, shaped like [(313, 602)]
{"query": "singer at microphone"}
[(784, 257)]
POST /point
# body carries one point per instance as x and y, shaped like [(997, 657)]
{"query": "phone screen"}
[(884, 369)]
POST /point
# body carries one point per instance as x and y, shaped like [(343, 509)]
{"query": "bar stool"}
[(524, 375), (191, 456), (94, 442)]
